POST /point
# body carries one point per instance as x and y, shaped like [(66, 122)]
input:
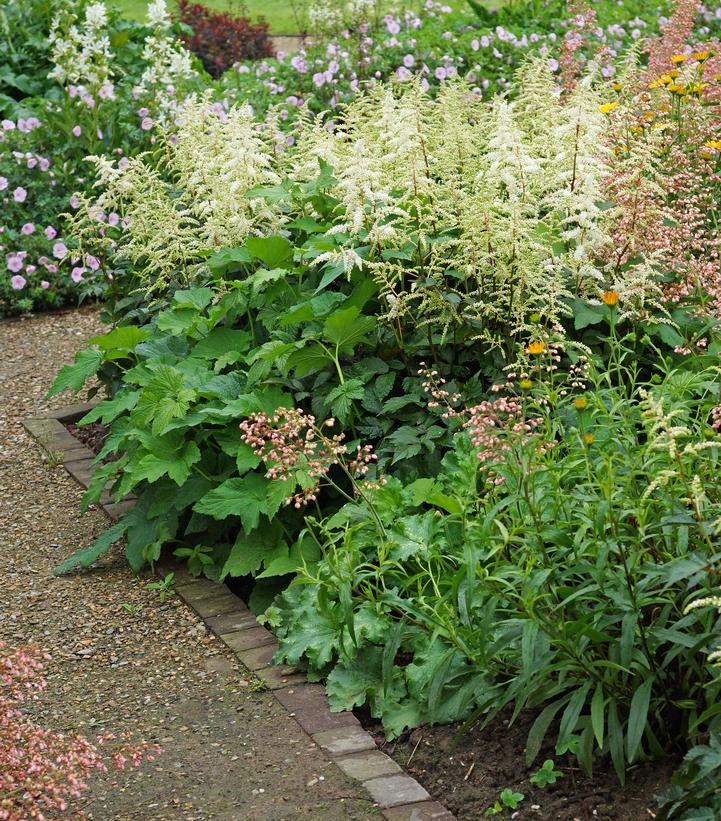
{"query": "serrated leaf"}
[(271, 250), (91, 554), (247, 554), (340, 399), (73, 377), (198, 298), (126, 337), (244, 496), (346, 328)]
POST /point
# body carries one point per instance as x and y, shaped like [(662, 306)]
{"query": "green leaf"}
[(73, 377), (569, 719), (340, 399), (615, 741), (346, 328), (539, 729), (126, 338), (637, 717), (248, 554), (244, 496), (220, 341), (597, 714), (585, 314), (109, 409), (198, 298), (273, 251), (229, 259), (91, 554)]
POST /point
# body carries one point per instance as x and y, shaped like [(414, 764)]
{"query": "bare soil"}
[(469, 777)]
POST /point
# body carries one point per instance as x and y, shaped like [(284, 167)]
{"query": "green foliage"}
[(546, 774)]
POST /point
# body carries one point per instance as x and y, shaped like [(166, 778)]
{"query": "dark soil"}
[(470, 778), (92, 436)]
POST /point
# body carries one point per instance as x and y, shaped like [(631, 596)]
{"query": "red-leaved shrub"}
[(220, 40)]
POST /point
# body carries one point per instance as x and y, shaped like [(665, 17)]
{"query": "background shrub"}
[(220, 39)]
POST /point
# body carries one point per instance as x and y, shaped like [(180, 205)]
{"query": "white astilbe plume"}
[(160, 235), (579, 169), (216, 157)]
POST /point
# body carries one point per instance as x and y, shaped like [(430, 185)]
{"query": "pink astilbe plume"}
[(42, 771), (293, 447)]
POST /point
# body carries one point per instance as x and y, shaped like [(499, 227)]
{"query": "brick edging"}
[(339, 735)]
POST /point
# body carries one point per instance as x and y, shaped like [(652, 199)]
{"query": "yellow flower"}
[(536, 348), (607, 108), (617, 86), (700, 56), (664, 79), (653, 84), (715, 144), (697, 87), (580, 403), (678, 58), (526, 384), (610, 297), (588, 438), (675, 88), (673, 74), (648, 115)]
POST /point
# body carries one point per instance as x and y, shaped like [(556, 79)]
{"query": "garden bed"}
[(469, 777)]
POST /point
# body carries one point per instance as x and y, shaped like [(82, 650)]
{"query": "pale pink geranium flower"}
[(27, 229), (3, 183), (14, 263), (44, 284), (60, 249), (18, 282), (77, 274), (51, 269), (50, 232), (77, 131), (20, 194), (146, 124)]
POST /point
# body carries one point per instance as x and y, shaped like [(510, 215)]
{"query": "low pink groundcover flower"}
[(18, 282)]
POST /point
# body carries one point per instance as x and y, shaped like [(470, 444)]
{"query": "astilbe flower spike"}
[(41, 771)]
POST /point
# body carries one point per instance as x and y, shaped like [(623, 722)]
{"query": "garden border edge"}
[(339, 735)]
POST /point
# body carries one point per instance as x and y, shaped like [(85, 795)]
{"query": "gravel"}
[(124, 662)]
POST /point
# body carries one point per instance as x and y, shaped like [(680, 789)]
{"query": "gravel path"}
[(151, 669)]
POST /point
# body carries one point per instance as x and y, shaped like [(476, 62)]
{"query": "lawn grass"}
[(278, 13)]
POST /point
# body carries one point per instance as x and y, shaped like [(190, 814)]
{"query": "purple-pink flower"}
[(60, 249), (18, 282), (77, 131), (27, 229), (77, 274), (14, 262), (20, 194), (50, 232)]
